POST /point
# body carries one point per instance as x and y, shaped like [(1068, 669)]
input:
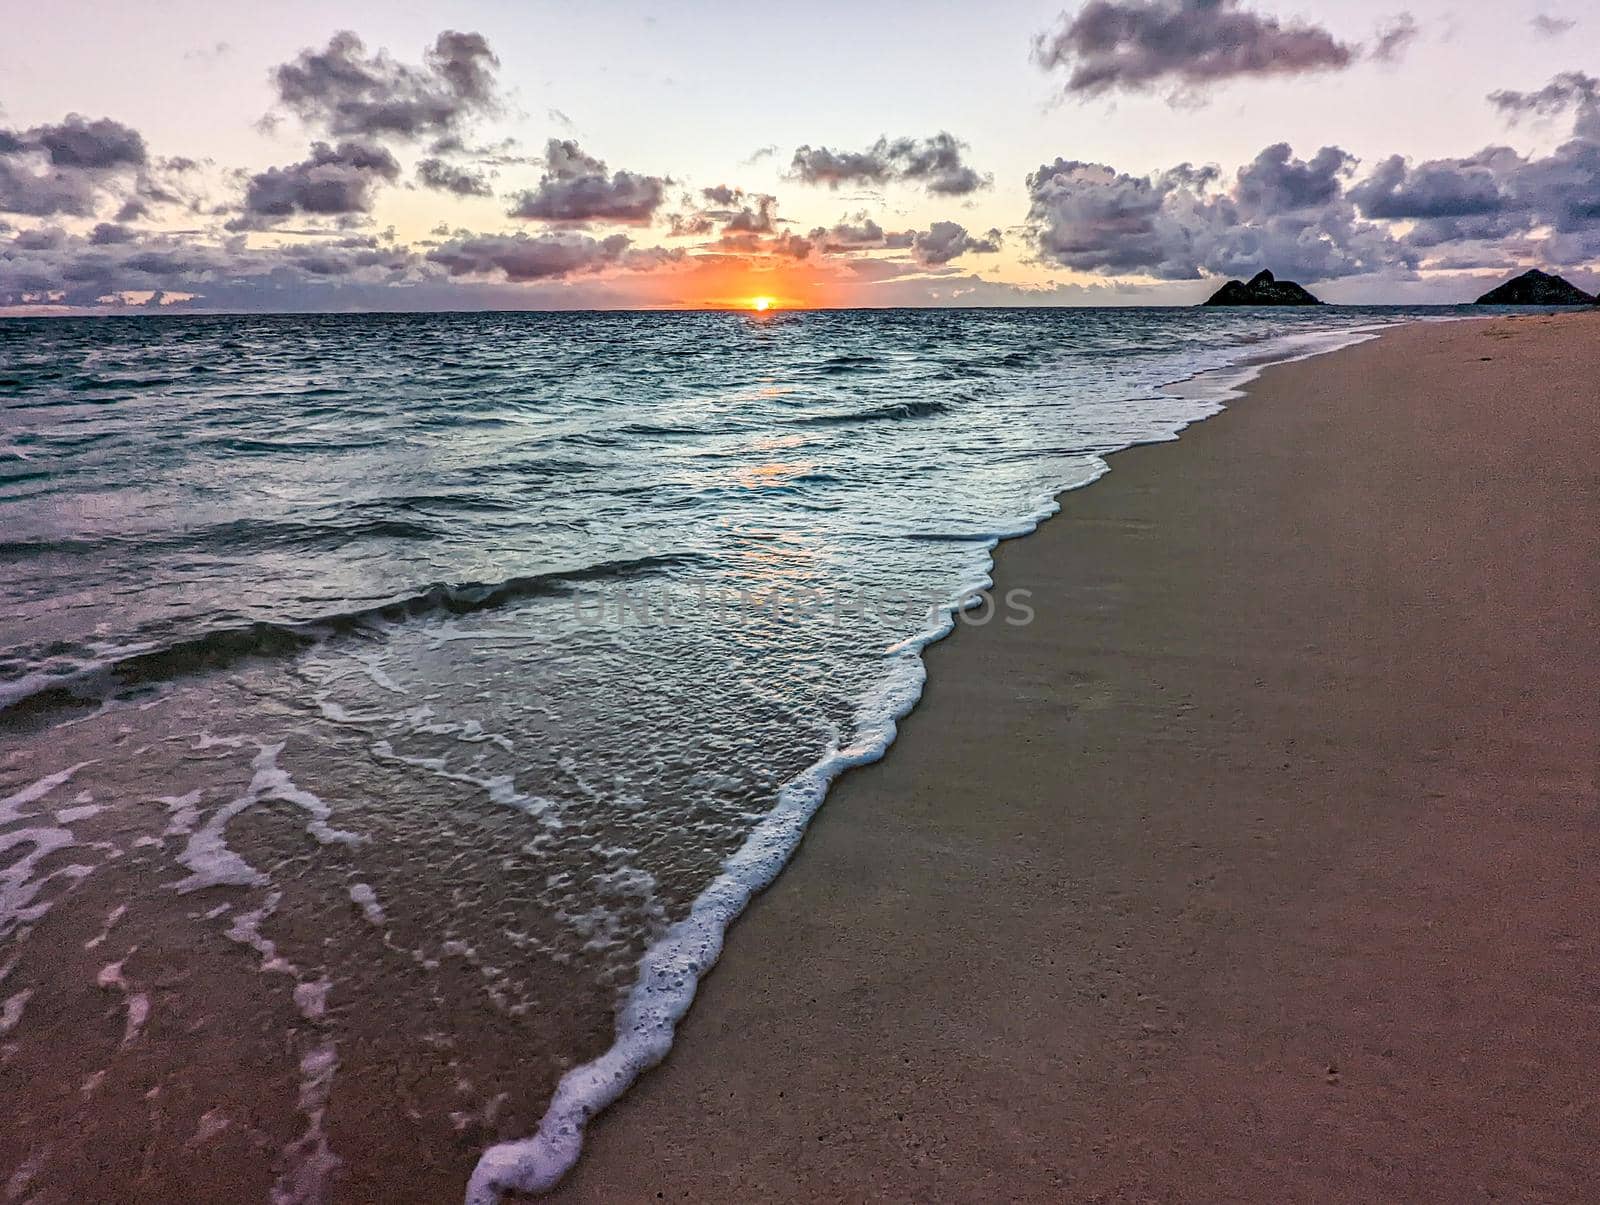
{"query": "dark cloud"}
[(759, 215), (1092, 218), (92, 145), (1552, 27), (935, 164), (1276, 182), (1318, 220), (41, 238), (740, 219), (1569, 91), (69, 168), (930, 248), (860, 233), (521, 257), (1111, 45), (576, 189), (350, 93), (1184, 223), (790, 244), (106, 234), (690, 225), (447, 177), (944, 241), (1545, 207), (48, 265), (1395, 38), (1459, 188), (333, 181)]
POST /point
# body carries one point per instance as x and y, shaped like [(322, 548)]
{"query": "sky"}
[(407, 156)]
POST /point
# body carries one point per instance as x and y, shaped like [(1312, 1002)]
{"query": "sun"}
[(761, 304)]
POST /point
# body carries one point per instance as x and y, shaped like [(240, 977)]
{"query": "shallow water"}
[(381, 693)]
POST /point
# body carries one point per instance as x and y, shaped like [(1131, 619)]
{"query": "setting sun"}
[(761, 304)]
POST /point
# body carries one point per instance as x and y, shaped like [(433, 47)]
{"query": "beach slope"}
[(1261, 866)]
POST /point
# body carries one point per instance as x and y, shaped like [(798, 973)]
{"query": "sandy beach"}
[(1260, 866)]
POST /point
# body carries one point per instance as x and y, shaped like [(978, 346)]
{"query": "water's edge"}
[(672, 967)]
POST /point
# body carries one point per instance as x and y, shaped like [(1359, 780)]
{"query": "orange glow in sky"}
[(751, 283)]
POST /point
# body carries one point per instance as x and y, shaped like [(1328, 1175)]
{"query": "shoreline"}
[(796, 937), (649, 1018)]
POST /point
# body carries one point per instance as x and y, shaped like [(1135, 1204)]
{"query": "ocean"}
[(395, 710)]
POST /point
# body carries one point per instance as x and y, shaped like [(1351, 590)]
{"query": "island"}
[(1264, 289), (1534, 287)]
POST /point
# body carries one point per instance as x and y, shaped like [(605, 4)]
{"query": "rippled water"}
[(436, 666)]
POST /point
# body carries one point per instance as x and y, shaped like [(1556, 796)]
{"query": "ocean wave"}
[(840, 365), (145, 665), (235, 536), (891, 413)]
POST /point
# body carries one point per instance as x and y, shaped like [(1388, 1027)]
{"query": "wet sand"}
[(1262, 866)]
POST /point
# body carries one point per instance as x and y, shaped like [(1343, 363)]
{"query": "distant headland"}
[(1534, 287), (1264, 289)]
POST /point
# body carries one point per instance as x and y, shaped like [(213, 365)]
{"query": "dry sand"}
[(1264, 865)]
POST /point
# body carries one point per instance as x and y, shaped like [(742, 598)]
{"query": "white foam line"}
[(206, 854), (11, 1010), (137, 1003), (672, 967), (18, 887), (310, 1163), (11, 806)]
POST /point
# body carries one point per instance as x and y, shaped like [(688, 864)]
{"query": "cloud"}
[(1552, 27), (69, 167), (1440, 189), (1395, 38), (1275, 182), (1540, 207), (758, 217), (577, 190), (1136, 45), (740, 219), (333, 181), (107, 234), (91, 145), (930, 248), (349, 93), (1571, 90), (1184, 223), (860, 233), (935, 164), (790, 244), (447, 177), (1318, 220), (521, 257), (50, 265), (944, 241)]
